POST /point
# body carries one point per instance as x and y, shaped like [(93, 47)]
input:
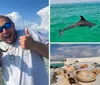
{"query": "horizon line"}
[(75, 2)]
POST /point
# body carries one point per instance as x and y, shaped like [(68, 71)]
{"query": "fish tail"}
[(3, 50)]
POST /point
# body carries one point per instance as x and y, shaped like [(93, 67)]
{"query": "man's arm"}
[(27, 42), (42, 49)]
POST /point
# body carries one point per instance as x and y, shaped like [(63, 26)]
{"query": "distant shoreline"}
[(79, 59), (74, 3)]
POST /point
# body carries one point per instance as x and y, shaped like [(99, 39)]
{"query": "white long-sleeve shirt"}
[(24, 67)]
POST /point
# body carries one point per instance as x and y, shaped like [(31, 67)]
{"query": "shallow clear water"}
[(57, 65), (63, 15)]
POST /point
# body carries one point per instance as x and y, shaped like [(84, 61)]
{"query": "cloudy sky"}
[(60, 51), (26, 8), (71, 1), (27, 13)]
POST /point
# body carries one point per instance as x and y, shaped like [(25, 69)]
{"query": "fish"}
[(81, 22), (1, 50)]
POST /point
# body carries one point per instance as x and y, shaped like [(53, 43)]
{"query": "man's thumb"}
[(26, 31)]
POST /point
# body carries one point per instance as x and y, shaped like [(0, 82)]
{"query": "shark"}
[(81, 22)]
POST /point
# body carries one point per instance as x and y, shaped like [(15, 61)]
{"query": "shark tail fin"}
[(82, 18), (61, 32)]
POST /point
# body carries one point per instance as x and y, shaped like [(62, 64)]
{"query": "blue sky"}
[(26, 8), (71, 1), (27, 13), (60, 51)]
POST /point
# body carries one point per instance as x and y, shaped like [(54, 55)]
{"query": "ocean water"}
[(63, 15), (57, 65)]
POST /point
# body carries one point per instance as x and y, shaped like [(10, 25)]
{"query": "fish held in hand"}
[(1, 50)]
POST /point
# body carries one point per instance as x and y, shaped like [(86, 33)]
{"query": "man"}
[(22, 63)]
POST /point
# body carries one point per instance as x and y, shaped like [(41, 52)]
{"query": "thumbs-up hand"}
[(26, 32), (26, 41)]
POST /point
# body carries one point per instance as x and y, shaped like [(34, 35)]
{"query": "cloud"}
[(98, 52), (44, 14), (20, 23), (75, 51), (57, 57)]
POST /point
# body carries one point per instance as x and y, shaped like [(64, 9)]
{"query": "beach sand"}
[(88, 61)]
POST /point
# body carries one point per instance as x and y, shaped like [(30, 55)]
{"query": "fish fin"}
[(61, 32), (3, 50), (90, 27), (82, 18)]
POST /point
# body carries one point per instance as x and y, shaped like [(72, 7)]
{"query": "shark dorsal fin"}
[(82, 18)]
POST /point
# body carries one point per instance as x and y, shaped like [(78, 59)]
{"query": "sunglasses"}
[(5, 26)]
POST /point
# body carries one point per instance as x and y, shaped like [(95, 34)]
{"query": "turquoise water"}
[(57, 65), (63, 15)]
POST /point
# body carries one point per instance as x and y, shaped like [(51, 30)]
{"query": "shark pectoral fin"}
[(90, 27), (60, 32)]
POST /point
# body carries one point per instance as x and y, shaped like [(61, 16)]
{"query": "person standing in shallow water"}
[(22, 63)]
